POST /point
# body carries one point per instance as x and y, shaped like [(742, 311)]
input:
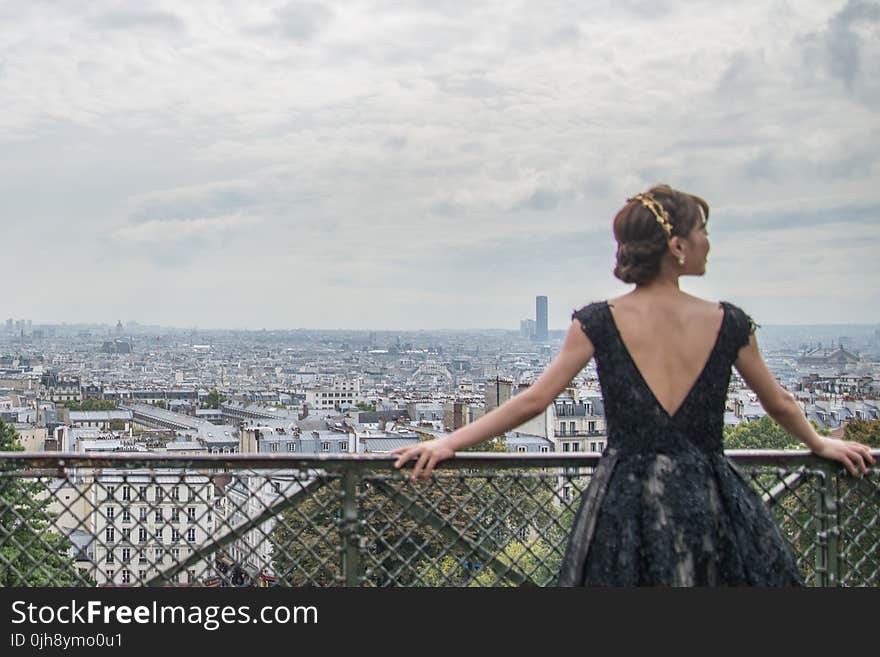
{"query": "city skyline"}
[(429, 165)]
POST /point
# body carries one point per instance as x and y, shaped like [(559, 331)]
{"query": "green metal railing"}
[(482, 520)]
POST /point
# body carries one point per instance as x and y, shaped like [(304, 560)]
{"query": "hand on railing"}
[(856, 457), (427, 454)]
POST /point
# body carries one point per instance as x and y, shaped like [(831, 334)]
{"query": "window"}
[(562, 428), (575, 447), (142, 575), (126, 515), (291, 447), (591, 427), (191, 573), (191, 514), (544, 449), (159, 554), (175, 554), (126, 577), (571, 428), (126, 555), (564, 447), (175, 514), (325, 447), (175, 494), (142, 514), (565, 492), (158, 515), (142, 493), (159, 493), (191, 534), (110, 512), (142, 534), (110, 534), (109, 558), (160, 534), (126, 534), (111, 490), (521, 448), (343, 447), (126, 493), (274, 447), (175, 535), (109, 574)]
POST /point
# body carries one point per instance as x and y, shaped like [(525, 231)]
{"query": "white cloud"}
[(400, 154)]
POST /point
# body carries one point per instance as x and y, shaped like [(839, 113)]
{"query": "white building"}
[(146, 521), (342, 393)]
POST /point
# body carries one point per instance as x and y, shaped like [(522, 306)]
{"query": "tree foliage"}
[(763, 433), (863, 431), (32, 552), (397, 548), (213, 399), (90, 405)]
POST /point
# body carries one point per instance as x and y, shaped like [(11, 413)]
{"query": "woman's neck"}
[(660, 285)]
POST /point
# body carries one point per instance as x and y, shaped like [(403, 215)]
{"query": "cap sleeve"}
[(741, 328), (591, 322)]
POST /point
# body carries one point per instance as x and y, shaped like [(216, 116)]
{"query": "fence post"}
[(351, 558), (827, 536)]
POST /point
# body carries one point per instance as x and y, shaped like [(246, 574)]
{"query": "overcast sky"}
[(435, 164)]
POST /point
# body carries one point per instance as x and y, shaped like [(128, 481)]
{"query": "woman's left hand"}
[(856, 457)]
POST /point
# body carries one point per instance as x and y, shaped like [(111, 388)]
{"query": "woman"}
[(664, 506)]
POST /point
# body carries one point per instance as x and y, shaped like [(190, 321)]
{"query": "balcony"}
[(353, 520)]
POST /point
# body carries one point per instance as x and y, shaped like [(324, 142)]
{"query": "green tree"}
[(213, 400), (400, 549), (32, 552), (763, 433), (90, 405), (863, 431)]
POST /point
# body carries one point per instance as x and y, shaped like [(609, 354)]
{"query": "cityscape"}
[(254, 249), (136, 389)]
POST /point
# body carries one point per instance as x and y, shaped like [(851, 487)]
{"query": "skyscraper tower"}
[(541, 319)]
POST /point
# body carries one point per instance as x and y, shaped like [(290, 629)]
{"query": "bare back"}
[(669, 339)]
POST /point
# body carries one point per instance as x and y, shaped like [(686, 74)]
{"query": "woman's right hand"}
[(855, 456), (427, 454)]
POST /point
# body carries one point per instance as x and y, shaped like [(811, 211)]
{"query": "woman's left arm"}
[(782, 407)]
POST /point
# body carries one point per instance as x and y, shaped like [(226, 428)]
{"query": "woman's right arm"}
[(576, 352), (782, 407)]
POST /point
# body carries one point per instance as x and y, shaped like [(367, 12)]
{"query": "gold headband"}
[(659, 212)]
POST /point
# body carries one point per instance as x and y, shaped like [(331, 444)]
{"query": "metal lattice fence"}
[(483, 520)]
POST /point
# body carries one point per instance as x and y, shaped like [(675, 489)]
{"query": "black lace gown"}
[(664, 506)]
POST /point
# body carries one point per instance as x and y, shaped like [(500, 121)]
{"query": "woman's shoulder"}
[(741, 323), (736, 312), (593, 306), (590, 317), (589, 311)]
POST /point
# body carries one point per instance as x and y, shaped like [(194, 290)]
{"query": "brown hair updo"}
[(641, 240)]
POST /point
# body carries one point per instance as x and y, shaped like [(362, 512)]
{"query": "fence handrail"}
[(461, 459)]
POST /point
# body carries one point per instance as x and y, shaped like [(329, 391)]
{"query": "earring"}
[(681, 260)]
